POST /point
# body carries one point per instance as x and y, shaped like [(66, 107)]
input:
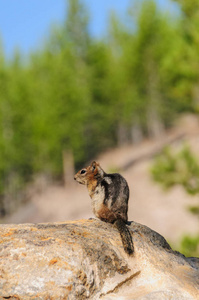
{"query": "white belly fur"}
[(97, 200)]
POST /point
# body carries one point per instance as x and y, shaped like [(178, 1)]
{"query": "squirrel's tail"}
[(125, 236)]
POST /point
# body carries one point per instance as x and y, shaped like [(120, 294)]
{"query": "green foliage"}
[(194, 210), (187, 75), (190, 246), (182, 168), (84, 95), (171, 168)]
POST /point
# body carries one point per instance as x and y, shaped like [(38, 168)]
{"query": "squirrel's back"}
[(116, 194)]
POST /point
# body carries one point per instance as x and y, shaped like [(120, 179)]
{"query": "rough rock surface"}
[(85, 260)]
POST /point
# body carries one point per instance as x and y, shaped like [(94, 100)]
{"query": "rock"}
[(85, 260)]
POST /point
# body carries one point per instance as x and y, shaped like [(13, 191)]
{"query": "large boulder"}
[(85, 260)]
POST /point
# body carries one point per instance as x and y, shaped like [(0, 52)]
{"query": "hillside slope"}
[(165, 212)]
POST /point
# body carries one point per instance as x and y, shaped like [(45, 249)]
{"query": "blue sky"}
[(24, 24)]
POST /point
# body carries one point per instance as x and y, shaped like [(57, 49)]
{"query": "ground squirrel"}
[(110, 195)]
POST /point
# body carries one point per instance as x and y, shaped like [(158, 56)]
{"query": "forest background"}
[(77, 96)]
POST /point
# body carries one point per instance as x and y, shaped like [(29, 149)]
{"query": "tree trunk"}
[(136, 132), (68, 167), (122, 135)]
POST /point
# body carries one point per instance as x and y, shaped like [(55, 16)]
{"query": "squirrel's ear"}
[(93, 166)]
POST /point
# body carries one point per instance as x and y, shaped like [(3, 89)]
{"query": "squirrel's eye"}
[(83, 171)]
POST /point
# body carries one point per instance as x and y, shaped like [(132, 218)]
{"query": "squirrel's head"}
[(92, 172)]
